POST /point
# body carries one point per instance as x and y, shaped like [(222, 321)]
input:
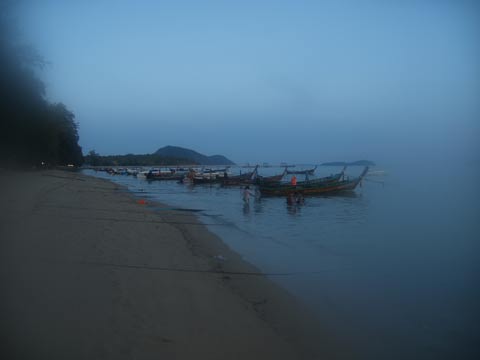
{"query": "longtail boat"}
[(211, 170), (314, 187), (302, 172), (205, 180), (326, 179), (208, 178), (275, 179), (310, 182), (243, 179)]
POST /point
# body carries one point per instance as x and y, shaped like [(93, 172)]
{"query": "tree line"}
[(33, 131), (95, 159)]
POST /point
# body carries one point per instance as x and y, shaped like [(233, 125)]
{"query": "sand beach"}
[(90, 272)]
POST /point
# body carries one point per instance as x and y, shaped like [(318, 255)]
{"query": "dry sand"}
[(88, 273)]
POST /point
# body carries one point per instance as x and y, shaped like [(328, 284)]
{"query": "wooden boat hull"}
[(211, 171), (270, 180), (323, 180), (236, 182), (334, 186), (198, 181), (267, 182), (331, 185), (244, 179), (165, 177), (308, 183)]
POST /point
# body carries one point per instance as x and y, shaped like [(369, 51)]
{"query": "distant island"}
[(353, 163), (168, 155), (193, 156)]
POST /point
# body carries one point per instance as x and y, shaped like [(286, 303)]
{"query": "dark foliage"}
[(95, 159), (32, 130)]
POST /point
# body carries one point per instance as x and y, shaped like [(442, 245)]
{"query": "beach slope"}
[(87, 272)]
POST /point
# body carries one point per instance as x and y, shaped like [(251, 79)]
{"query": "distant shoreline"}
[(353, 163)]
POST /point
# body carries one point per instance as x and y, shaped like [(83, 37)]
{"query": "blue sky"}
[(302, 81)]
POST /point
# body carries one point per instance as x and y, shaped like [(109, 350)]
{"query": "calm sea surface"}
[(392, 267)]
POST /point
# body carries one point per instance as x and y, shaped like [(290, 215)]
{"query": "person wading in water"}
[(246, 195)]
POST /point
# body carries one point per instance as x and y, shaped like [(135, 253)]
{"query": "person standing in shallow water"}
[(246, 195), (299, 199), (290, 199)]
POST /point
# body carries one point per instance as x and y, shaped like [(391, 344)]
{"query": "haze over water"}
[(391, 269)]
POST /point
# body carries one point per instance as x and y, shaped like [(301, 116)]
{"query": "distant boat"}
[(163, 175), (117, 171), (209, 171), (326, 185), (179, 169), (302, 172), (132, 172), (208, 178)]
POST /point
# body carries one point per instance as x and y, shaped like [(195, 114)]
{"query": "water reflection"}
[(246, 208), (258, 205), (293, 209)]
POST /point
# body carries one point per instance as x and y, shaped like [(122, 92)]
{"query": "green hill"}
[(195, 157)]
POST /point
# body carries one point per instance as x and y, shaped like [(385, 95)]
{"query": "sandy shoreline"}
[(89, 273)]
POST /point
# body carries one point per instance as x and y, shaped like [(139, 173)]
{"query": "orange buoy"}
[(141, 202)]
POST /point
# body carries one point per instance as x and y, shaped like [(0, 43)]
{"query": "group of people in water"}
[(295, 199), (292, 198)]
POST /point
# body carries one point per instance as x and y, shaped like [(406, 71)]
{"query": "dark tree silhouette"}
[(32, 130), (95, 159)]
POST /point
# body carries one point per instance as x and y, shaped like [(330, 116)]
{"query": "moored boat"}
[(275, 179), (212, 170), (242, 179), (330, 184), (208, 178), (163, 175), (132, 172), (326, 179)]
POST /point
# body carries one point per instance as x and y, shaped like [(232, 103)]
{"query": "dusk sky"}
[(295, 81)]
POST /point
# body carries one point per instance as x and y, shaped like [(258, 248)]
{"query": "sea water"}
[(392, 267)]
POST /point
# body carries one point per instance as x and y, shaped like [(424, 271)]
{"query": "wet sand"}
[(89, 273)]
